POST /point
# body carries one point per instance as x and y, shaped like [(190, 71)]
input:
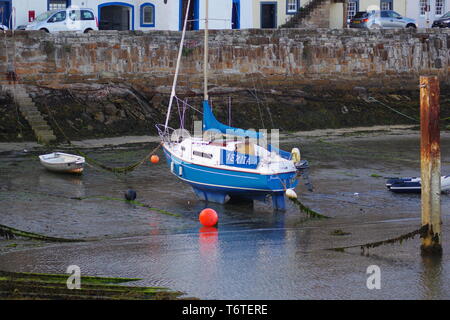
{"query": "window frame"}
[(142, 8), (68, 4), (423, 4), (55, 14), (442, 8), (356, 2), (82, 18), (391, 5), (297, 4)]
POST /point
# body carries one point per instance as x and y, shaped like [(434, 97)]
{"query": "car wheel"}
[(411, 26), (45, 30), (87, 30)]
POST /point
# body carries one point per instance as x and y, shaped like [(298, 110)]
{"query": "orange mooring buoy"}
[(208, 217), (154, 159)]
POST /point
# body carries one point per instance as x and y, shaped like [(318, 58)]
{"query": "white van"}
[(70, 19)]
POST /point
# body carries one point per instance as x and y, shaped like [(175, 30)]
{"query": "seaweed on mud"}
[(21, 285), (309, 212), (422, 231), (11, 233)]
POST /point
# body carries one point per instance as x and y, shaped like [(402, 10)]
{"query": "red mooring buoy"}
[(208, 217), (154, 159)]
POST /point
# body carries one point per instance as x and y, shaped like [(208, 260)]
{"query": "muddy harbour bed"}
[(283, 255)]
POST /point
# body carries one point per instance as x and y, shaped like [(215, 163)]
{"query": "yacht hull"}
[(215, 184)]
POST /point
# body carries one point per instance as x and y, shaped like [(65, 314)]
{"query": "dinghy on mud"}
[(62, 162), (412, 184)]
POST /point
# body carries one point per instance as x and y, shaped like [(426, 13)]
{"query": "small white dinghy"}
[(62, 162)]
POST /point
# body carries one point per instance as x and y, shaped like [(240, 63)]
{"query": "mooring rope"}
[(309, 212), (92, 161), (372, 99), (422, 231)]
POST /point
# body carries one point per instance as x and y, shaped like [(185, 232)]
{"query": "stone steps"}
[(43, 132)]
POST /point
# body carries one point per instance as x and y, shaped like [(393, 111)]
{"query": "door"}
[(116, 17), (57, 22), (398, 21), (387, 20), (74, 20), (235, 15), (5, 11), (193, 15), (269, 15)]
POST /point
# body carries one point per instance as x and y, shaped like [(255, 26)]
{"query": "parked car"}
[(70, 19), (442, 22), (381, 20), (3, 27)]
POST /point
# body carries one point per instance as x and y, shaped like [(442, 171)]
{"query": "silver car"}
[(381, 20)]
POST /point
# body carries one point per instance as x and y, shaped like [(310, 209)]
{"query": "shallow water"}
[(254, 253)]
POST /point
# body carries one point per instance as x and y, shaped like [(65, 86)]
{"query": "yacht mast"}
[(177, 68), (205, 59)]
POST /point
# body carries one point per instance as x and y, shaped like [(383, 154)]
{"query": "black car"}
[(442, 22)]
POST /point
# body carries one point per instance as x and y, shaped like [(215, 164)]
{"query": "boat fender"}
[(290, 193), (295, 155)]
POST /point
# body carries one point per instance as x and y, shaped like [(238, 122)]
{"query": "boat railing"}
[(165, 133)]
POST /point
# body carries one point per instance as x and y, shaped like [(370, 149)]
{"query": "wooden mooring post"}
[(430, 152)]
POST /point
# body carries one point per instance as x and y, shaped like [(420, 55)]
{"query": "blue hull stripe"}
[(228, 181)]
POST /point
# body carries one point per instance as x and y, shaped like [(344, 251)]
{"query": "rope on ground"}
[(422, 231), (309, 212), (94, 162), (11, 233)]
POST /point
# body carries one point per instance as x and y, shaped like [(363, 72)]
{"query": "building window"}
[(292, 6), (440, 7), (352, 9), (58, 4), (387, 5), (423, 7), (147, 15)]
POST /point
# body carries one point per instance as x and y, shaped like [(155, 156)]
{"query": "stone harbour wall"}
[(282, 57), (118, 83)]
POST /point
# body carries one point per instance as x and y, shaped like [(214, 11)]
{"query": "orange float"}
[(208, 217), (154, 159)]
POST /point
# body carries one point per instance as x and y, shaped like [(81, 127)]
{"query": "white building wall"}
[(219, 12), (246, 17), (424, 21), (22, 7), (166, 14)]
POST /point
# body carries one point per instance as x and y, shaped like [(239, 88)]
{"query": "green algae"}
[(23, 285)]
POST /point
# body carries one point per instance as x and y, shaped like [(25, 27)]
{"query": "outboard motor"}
[(302, 167)]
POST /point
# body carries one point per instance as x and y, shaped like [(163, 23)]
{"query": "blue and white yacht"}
[(226, 162)]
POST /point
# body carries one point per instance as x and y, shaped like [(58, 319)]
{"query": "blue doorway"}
[(5, 11), (193, 15), (116, 16), (236, 15)]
